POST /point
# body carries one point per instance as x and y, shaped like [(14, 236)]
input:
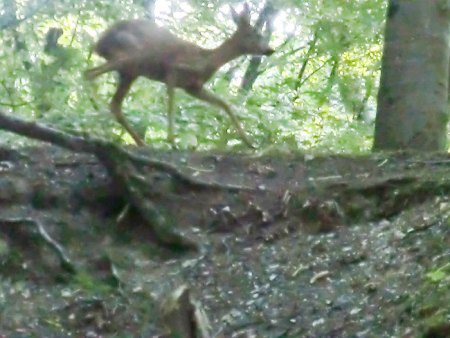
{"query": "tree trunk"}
[(412, 100), (266, 17), (149, 6)]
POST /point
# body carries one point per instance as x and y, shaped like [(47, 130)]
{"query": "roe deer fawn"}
[(141, 48)]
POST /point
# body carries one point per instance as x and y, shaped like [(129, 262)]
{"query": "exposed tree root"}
[(125, 169)]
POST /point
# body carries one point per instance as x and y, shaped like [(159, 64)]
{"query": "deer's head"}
[(247, 37)]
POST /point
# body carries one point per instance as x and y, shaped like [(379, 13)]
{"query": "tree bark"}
[(413, 95)]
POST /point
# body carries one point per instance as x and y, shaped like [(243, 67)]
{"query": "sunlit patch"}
[(162, 7), (284, 24), (176, 10)]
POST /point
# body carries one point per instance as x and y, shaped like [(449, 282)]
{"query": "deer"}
[(140, 47)]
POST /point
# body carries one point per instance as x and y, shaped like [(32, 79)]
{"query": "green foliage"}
[(317, 92), (91, 285), (440, 274)]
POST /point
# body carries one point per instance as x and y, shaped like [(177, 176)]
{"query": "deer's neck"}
[(223, 54)]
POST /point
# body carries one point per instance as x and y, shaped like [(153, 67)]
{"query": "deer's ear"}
[(245, 11), (234, 15), (242, 17)]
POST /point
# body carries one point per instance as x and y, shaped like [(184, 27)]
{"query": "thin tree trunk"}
[(251, 74), (149, 6)]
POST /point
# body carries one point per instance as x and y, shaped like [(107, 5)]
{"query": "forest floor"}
[(302, 246)]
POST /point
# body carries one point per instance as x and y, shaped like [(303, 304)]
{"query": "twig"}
[(57, 248)]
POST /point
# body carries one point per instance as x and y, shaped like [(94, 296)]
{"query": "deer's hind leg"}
[(92, 73), (122, 90), (109, 66)]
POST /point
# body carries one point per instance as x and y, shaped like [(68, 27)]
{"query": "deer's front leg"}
[(170, 86), (209, 97)]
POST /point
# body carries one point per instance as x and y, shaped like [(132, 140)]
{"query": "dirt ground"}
[(289, 245)]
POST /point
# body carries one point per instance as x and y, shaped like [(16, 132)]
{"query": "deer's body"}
[(146, 49), (136, 48)]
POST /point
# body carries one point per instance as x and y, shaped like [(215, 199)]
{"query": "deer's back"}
[(135, 38), (149, 50)]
